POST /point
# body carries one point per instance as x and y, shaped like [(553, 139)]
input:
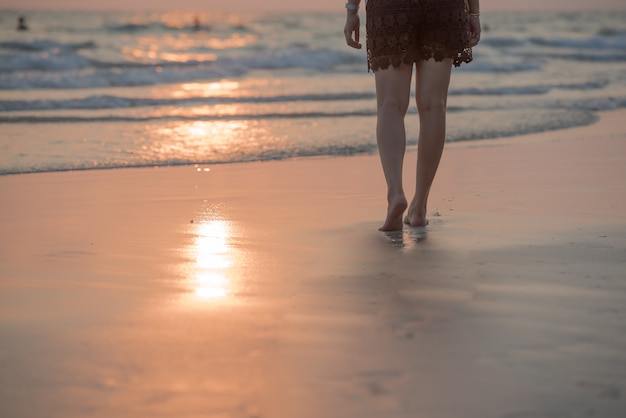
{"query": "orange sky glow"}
[(277, 5)]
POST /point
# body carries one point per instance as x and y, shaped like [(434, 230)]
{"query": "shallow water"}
[(104, 90)]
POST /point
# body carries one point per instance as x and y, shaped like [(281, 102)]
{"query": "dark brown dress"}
[(407, 31)]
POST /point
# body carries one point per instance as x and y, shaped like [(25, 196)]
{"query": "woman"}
[(431, 35)]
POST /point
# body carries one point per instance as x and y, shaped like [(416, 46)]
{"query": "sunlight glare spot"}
[(213, 259), (211, 286), (198, 129), (207, 89), (192, 140)]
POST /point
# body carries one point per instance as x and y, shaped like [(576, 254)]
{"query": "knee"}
[(392, 104), (431, 104)]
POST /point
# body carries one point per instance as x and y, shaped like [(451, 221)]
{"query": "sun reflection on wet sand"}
[(213, 258)]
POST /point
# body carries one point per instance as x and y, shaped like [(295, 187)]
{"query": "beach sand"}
[(265, 290)]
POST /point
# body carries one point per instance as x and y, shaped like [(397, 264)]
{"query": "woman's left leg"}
[(431, 91)]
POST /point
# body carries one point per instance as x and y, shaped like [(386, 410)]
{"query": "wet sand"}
[(265, 289)]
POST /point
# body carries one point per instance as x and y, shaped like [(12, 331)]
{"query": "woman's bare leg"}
[(431, 91), (393, 89)]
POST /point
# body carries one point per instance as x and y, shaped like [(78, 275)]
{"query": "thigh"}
[(393, 85), (432, 81)]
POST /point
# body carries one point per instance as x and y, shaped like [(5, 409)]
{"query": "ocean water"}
[(85, 90)]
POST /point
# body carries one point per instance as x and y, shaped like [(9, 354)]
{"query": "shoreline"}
[(264, 288), (512, 137)]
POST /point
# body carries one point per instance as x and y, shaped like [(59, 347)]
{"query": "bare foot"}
[(396, 208), (416, 217)]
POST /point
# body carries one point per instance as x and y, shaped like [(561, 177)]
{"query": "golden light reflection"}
[(213, 257), (186, 57), (234, 41), (194, 139), (195, 129), (175, 48), (218, 88)]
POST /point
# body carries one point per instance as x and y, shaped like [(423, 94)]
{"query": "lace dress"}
[(406, 31)]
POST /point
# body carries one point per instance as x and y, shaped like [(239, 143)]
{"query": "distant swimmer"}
[(196, 23), (21, 23)]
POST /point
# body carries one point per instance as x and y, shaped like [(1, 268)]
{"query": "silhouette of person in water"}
[(196, 23), (21, 23)]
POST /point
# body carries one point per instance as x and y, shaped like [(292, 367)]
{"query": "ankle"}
[(395, 196), (417, 209)]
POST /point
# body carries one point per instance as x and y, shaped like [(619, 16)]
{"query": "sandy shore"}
[(265, 289)]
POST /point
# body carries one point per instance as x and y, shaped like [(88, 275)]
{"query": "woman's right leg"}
[(393, 88)]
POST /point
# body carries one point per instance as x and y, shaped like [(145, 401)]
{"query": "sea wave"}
[(607, 38), (600, 57), (592, 104), (50, 64), (104, 102), (527, 90), (66, 70), (611, 31), (487, 64), (194, 118), (132, 27), (113, 77), (97, 102), (274, 154), (548, 107), (617, 42), (41, 62), (469, 125), (62, 61), (46, 45), (118, 102)]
